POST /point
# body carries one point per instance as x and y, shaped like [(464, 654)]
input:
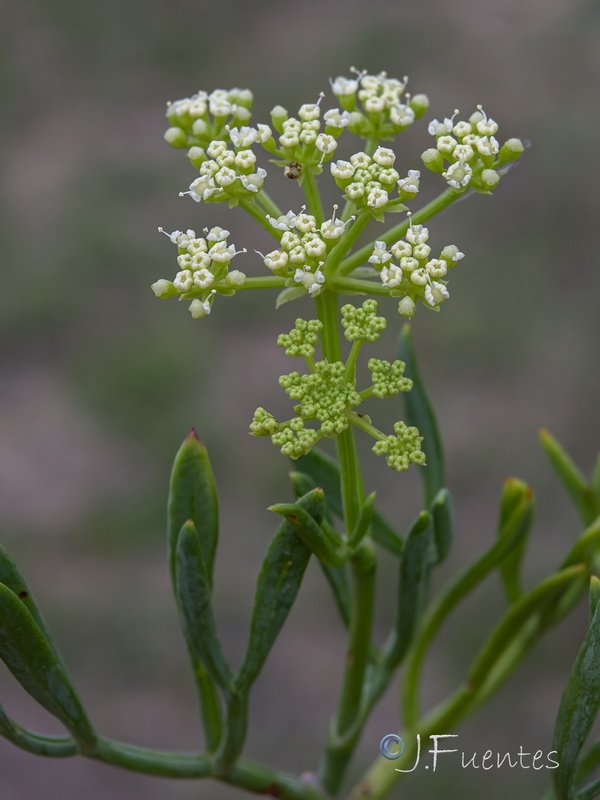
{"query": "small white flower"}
[(308, 136), (235, 279), (374, 105), (309, 112), (408, 264), (402, 115), (276, 259), (406, 307), (436, 268), (391, 276), (225, 177), (360, 160), (199, 308), (297, 255), (421, 251), (488, 146), (437, 128), (377, 198), (332, 228), (242, 137), (221, 253), (401, 249), (446, 144), (263, 133), (336, 118), (436, 293), (245, 159), (420, 277), (384, 157), (226, 159), (463, 152), (452, 253), (216, 148), (183, 281), (199, 128), (184, 261), (305, 223), (314, 246), (343, 170), (284, 223), (220, 108), (355, 191), (417, 234), (380, 254), (343, 86), (325, 143), (200, 261), (312, 281), (217, 234), (209, 168), (161, 287), (487, 127), (203, 278), (462, 129), (458, 175), (254, 182), (411, 182)]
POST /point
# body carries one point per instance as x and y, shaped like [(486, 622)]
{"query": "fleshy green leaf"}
[(419, 412), (414, 578), (326, 473), (364, 520), (327, 545), (515, 519), (36, 743), (195, 603), (571, 478), (442, 516), (280, 577), (28, 655), (193, 496), (578, 708)]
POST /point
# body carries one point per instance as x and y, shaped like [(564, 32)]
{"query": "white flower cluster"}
[(416, 276), (301, 138), (199, 119), (378, 105), (203, 262), (467, 153), (303, 248), (228, 175), (369, 181)]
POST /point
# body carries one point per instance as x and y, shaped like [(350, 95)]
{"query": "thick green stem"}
[(346, 242), (252, 208), (352, 285), (245, 774), (313, 198), (441, 202)]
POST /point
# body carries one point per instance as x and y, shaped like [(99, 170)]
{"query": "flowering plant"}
[(332, 517)]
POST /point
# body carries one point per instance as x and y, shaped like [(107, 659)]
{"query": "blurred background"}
[(100, 381)]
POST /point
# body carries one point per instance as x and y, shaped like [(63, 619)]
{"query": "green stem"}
[(351, 361), (441, 202), (339, 284), (313, 198), (269, 205), (348, 239), (245, 774), (361, 422), (210, 708), (268, 282), (252, 208)]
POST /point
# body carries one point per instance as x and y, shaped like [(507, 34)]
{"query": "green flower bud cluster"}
[(369, 181), (303, 248), (203, 269), (416, 276), (467, 153), (362, 324), (302, 143), (403, 449), (302, 339), (388, 377), (203, 117), (378, 105), (326, 396)]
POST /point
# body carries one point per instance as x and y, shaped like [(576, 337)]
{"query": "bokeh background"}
[(100, 381)]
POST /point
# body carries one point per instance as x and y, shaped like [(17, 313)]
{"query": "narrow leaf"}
[(516, 512), (28, 655), (414, 579), (280, 577), (571, 478), (590, 791), (364, 520), (54, 746), (578, 708), (442, 516), (195, 603), (330, 551), (193, 496), (419, 412), (325, 472)]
